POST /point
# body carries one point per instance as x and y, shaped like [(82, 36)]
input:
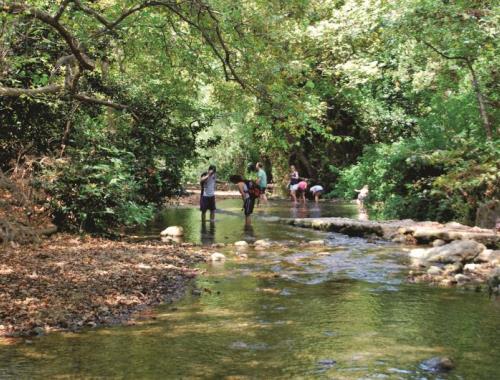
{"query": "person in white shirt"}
[(207, 197), (316, 191)]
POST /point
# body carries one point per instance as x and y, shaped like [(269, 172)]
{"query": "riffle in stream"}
[(342, 310)]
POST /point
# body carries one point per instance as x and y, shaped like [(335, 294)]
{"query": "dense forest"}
[(107, 107)]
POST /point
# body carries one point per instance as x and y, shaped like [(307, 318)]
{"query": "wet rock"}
[(241, 243), (438, 243), (437, 364), (196, 292), (217, 256), (262, 243), (242, 256), (434, 271), (218, 245), (173, 231), (38, 330), (327, 363)]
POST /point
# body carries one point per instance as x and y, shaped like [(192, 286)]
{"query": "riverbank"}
[(67, 282)]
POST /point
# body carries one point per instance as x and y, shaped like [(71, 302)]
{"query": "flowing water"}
[(338, 311)]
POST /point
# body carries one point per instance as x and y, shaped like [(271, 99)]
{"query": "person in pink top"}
[(301, 189)]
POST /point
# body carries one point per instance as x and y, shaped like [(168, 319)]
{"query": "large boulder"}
[(457, 251), (173, 231)]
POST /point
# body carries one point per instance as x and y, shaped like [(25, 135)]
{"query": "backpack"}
[(253, 189)]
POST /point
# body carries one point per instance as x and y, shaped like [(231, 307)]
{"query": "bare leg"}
[(264, 197), (203, 216), (212, 215), (316, 197)]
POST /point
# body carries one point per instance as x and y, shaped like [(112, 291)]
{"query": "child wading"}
[(249, 192), (207, 198)]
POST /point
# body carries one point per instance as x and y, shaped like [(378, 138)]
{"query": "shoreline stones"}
[(462, 262)]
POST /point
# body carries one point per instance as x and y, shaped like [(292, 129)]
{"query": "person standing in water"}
[(208, 181), (363, 193), (248, 200), (293, 184), (262, 182)]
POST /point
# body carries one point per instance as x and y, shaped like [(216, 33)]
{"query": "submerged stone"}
[(437, 364)]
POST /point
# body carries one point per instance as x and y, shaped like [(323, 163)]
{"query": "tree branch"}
[(61, 10), (15, 8), (11, 91)]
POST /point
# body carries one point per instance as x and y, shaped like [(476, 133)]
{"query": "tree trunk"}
[(480, 100)]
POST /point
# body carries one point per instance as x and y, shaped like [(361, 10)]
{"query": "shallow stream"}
[(294, 310)]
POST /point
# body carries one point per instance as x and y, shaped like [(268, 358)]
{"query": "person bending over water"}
[(316, 191), (248, 200), (301, 190)]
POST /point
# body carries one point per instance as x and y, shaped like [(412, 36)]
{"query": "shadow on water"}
[(340, 310)]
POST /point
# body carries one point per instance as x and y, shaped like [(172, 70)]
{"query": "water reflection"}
[(207, 236)]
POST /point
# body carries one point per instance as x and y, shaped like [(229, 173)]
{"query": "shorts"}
[(262, 190), (207, 203), (319, 192), (294, 187), (248, 205)]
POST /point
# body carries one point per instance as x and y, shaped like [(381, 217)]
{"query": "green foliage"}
[(98, 192), (407, 179)]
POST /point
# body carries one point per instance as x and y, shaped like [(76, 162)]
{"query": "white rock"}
[(173, 231), (471, 267), (434, 271), (316, 242), (241, 243), (242, 256), (438, 243), (217, 256)]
